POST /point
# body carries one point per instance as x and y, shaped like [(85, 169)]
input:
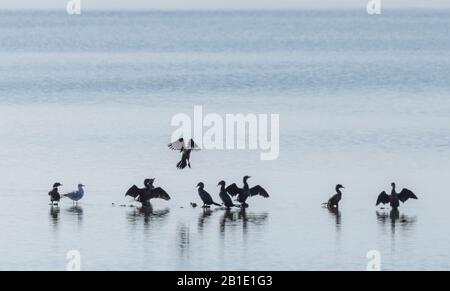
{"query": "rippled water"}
[(363, 101)]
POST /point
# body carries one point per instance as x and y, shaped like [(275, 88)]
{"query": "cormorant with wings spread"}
[(395, 197), (185, 150), (144, 195), (246, 191)]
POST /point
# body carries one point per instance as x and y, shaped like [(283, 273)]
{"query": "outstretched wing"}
[(406, 194), (233, 189), (180, 145), (383, 198), (134, 191), (159, 192), (258, 190), (177, 145)]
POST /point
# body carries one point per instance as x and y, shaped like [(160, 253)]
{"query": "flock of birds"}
[(241, 194)]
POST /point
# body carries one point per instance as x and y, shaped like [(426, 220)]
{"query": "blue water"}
[(363, 101)]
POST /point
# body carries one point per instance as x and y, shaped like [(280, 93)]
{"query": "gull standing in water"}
[(75, 196)]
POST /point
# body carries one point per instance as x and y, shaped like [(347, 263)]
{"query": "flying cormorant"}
[(54, 194), (226, 199), (333, 202), (395, 197), (206, 198), (185, 150), (75, 196), (246, 191), (144, 195)]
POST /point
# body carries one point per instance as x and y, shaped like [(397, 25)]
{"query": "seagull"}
[(54, 194), (246, 191), (144, 195), (185, 150), (395, 197), (75, 196), (206, 198)]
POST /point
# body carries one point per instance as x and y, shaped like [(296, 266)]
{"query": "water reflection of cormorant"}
[(147, 213), (242, 218), (54, 214), (394, 217), (334, 211)]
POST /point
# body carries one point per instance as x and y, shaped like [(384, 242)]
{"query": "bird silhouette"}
[(394, 198), (76, 196), (333, 202), (143, 195), (223, 194), (205, 196), (54, 194), (246, 191), (185, 150)]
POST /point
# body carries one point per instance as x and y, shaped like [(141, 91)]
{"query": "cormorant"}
[(333, 202), (75, 196), (226, 199), (185, 150), (246, 191), (395, 197), (54, 194), (144, 195), (206, 198)]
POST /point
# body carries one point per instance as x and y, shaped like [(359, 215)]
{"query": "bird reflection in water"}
[(76, 211), (54, 214), (148, 213), (204, 216), (394, 217), (183, 239), (336, 214), (242, 217)]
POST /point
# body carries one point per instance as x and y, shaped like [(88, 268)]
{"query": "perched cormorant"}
[(75, 196), (144, 195), (54, 194), (333, 202), (226, 199), (246, 191), (395, 197), (206, 198), (185, 150)]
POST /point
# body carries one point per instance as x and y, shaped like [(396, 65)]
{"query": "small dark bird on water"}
[(185, 150), (246, 191), (223, 194), (395, 198), (193, 204), (54, 194), (206, 198), (333, 202), (143, 195)]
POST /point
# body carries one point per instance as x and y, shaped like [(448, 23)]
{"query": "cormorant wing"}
[(159, 192), (134, 191), (405, 194), (177, 145), (192, 145), (383, 198), (258, 190), (233, 189)]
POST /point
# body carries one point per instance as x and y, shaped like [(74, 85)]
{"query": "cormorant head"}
[(200, 185), (149, 181), (246, 178), (221, 183), (339, 186), (56, 185), (81, 186), (393, 185)]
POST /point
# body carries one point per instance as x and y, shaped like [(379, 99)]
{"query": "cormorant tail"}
[(181, 164), (217, 204)]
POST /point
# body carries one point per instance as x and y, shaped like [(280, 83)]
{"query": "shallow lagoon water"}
[(363, 102)]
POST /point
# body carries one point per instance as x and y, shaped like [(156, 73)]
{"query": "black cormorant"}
[(226, 199), (246, 191), (333, 202), (395, 198), (206, 198), (54, 194), (185, 150), (144, 195)]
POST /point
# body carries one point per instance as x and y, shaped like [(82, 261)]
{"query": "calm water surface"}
[(363, 101)]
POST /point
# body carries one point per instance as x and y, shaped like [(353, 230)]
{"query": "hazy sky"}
[(215, 4)]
